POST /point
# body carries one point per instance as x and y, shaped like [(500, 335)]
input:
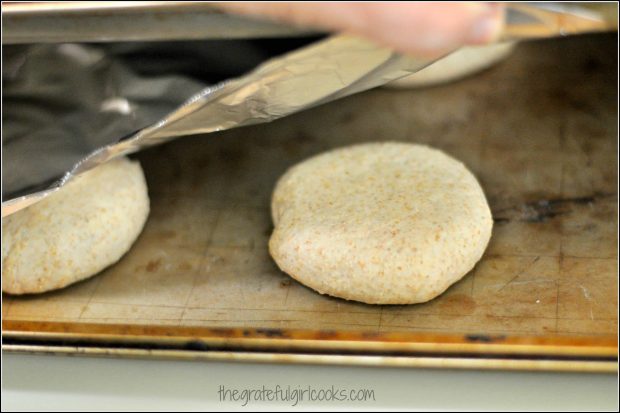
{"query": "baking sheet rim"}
[(313, 340), (460, 363)]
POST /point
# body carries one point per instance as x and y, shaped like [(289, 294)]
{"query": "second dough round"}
[(381, 223), (457, 65)]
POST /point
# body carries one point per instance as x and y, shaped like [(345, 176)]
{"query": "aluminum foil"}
[(63, 102)]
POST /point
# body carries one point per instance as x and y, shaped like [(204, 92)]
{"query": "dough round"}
[(76, 232), (462, 63), (381, 223)]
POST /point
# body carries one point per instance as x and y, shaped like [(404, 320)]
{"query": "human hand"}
[(425, 29)]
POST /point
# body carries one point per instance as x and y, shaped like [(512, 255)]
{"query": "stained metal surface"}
[(200, 280)]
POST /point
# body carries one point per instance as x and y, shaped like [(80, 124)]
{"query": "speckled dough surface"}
[(380, 223), (76, 232), (462, 63)]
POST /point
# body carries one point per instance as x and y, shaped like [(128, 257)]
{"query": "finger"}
[(424, 29)]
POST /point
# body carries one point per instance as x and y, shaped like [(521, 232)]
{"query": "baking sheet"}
[(539, 131)]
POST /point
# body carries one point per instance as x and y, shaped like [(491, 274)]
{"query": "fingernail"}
[(487, 28)]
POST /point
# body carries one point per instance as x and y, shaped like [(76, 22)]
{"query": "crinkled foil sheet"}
[(70, 107)]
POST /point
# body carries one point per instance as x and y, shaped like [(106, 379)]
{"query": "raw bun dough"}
[(462, 63), (381, 223), (76, 232)]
